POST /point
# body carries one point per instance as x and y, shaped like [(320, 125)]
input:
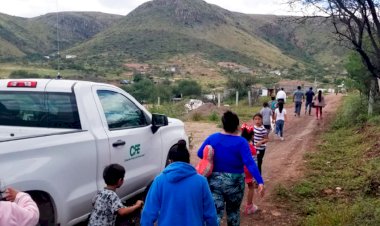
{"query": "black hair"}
[(320, 95), (113, 173), (257, 115), (282, 88), (311, 88), (273, 98), (280, 106), (298, 87), (230, 122), (265, 104), (247, 135), (179, 152)]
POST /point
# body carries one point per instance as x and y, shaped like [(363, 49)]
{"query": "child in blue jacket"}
[(179, 196)]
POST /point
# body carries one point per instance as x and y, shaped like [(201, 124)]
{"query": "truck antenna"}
[(58, 54)]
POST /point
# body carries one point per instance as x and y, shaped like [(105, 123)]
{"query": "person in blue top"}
[(231, 153), (309, 100), (298, 97), (179, 195)]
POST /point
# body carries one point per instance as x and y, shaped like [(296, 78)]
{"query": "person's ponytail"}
[(179, 152), (280, 107)]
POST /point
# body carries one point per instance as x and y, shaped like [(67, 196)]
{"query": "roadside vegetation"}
[(342, 180)]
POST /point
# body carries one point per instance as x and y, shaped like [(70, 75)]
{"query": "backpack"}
[(206, 164), (273, 105)]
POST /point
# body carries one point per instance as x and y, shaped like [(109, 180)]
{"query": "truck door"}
[(131, 141)]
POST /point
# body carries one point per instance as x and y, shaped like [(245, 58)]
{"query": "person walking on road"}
[(281, 96), (267, 114), (309, 100), (260, 138), (319, 103), (298, 98), (247, 133), (273, 106), (179, 195), (280, 118), (226, 182)]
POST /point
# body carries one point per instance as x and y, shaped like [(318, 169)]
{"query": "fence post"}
[(237, 98), (158, 101), (249, 99), (218, 100)]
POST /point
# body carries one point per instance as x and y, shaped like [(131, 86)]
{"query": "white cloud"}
[(117, 4), (31, 8), (277, 7)]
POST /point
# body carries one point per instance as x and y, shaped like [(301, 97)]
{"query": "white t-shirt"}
[(281, 95), (280, 116)]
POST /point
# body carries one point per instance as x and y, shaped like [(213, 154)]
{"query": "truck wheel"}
[(45, 205)]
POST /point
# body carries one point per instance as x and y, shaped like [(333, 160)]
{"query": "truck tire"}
[(46, 207)]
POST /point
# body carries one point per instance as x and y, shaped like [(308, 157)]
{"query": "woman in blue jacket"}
[(179, 196), (231, 153)]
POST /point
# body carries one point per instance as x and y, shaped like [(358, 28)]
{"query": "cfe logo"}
[(134, 150)]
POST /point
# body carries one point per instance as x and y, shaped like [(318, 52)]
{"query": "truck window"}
[(120, 112), (39, 109)]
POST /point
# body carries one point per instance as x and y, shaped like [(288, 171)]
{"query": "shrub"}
[(23, 74), (214, 117), (197, 116), (353, 112)]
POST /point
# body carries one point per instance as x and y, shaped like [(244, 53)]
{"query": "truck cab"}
[(56, 137)]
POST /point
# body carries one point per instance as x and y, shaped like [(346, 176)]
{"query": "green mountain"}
[(24, 36), (160, 29)]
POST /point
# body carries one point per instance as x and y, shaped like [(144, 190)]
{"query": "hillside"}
[(23, 36), (166, 32), (160, 29)]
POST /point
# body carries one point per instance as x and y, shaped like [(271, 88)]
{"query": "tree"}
[(358, 73), (240, 82), (188, 88), (358, 22), (143, 90)]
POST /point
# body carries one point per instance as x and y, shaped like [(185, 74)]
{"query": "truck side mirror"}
[(158, 121)]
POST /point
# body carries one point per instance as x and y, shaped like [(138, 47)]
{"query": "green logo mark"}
[(134, 150)]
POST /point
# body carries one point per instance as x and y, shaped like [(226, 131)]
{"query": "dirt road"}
[(283, 162)]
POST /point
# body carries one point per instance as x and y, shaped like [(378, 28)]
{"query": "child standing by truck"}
[(107, 205)]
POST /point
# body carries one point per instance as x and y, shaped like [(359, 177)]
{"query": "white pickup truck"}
[(56, 137)]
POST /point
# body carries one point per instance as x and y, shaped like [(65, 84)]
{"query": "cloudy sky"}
[(32, 8)]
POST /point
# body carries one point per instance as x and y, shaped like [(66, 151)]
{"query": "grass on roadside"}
[(342, 182)]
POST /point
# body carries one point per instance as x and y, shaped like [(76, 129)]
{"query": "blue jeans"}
[(298, 105), (280, 127), (308, 104)]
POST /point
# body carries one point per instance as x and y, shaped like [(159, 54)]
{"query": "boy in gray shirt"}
[(267, 114), (298, 97)]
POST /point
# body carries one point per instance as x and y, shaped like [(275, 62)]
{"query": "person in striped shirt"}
[(260, 138)]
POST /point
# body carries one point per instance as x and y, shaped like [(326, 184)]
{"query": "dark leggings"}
[(260, 157)]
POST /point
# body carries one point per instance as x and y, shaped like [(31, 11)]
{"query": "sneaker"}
[(282, 138), (250, 209)]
